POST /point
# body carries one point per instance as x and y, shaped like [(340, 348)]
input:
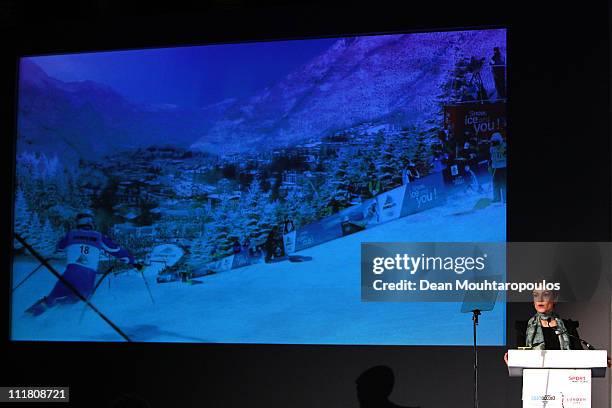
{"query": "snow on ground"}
[(314, 302)]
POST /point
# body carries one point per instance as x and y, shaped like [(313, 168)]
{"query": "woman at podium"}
[(546, 330)]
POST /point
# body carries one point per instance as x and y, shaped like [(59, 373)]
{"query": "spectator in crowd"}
[(497, 167), (374, 187), (257, 252), (437, 164), (271, 244), (410, 173), (498, 66), (236, 247), (289, 227), (472, 181)]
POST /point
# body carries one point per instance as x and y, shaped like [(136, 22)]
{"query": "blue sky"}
[(186, 76)]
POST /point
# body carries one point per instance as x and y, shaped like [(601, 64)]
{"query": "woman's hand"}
[(506, 358)]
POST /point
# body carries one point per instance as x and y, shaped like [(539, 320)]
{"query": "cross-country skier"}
[(498, 167), (83, 247)]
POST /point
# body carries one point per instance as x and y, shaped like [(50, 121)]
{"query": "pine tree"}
[(269, 217), (34, 233), (220, 244), (372, 177), (423, 154), (305, 213), (37, 201), (48, 239), (252, 206), (21, 218), (340, 197), (299, 208), (325, 193), (199, 251), (406, 143), (389, 167)]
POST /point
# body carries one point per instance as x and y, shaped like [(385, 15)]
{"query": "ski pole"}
[(69, 285), (104, 275), (94, 290), (29, 275), (147, 286)]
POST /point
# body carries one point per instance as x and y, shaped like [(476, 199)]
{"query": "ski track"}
[(314, 302)]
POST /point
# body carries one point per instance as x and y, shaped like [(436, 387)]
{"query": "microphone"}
[(588, 346)]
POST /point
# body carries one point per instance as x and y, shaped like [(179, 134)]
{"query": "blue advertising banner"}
[(289, 242), (423, 194), (390, 204), (223, 264), (402, 201), (318, 232), (240, 259)]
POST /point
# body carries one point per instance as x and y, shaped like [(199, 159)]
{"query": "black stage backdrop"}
[(559, 190)]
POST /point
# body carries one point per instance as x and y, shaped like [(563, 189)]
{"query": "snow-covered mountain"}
[(88, 120), (391, 78), (364, 79)]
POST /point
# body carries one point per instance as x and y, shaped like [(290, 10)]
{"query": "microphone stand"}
[(587, 344), (475, 314)]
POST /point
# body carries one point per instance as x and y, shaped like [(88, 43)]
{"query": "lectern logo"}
[(576, 400), (577, 379), (545, 397)]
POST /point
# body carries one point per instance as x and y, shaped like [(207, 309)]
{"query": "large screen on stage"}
[(221, 193)]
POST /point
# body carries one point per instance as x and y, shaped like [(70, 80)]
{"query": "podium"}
[(557, 378)]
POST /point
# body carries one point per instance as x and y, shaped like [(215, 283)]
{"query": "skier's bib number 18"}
[(83, 254)]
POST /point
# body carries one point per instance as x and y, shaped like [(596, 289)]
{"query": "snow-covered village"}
[(255, 206)]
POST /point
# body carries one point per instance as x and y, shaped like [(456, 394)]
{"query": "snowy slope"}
[(316, 302)]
